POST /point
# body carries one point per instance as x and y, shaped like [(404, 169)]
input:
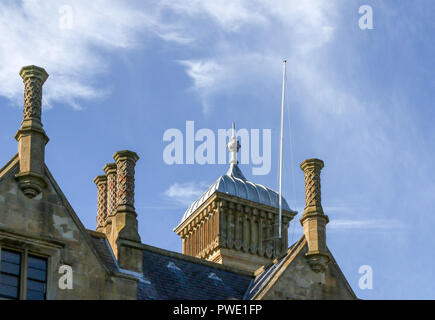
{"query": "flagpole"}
[(281, 142)]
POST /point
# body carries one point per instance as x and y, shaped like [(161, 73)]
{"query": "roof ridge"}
[(9, 164), (73, 215), (273, 268)]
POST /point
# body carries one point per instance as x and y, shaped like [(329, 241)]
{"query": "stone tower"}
[(235, 222)]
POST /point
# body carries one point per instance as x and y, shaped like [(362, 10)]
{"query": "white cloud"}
[(245, 40), (381, 224), (187, 192), (204, 73), (229, 15), (173, 36), (234, 37), (34, 32)]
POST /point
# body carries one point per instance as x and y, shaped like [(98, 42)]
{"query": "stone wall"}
[(47, 225), (297, 281)]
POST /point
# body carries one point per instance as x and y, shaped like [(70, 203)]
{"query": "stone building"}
[(231, 247)]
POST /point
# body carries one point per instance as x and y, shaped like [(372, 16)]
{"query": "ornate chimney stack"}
[(313, 219), (110, 170), (31, 136), (125, 237), (125, 163), (101, 182), (116, 213)]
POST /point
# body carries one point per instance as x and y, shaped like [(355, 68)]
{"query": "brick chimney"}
[(110, 170), (118, 220), (125, 215), (31, 136), (101, 182), (313, 219)]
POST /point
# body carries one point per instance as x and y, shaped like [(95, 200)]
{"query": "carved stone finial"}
[(233, 146)]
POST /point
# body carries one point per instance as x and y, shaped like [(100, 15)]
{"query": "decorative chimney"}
[(313, 219), (101, 182), (110, 170), (125, 215), (31, 136), (118, 219), (125, 234)]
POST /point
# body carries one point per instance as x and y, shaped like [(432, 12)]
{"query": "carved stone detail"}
[(312, 168), (314, 220), (125, 163), (110, 170), (227, 229), (101, 182), (33, 78), (32, 98), (31, 136)]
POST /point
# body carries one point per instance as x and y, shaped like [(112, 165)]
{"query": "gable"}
[(47, 225), (291, 277), (48, 215)]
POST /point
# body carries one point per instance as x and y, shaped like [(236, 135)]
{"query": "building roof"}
[(269, 271), (234, 183), (173, 276), (104, 250), (169, 275)]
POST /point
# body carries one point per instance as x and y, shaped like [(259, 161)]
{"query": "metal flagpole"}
[(280, 153)]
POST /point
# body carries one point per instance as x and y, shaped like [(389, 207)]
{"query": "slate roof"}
[(173, 276), (104, 251), (263, 278), (170, 275)]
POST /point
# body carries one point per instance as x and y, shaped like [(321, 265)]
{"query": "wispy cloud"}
[(240, 46), (33, 32), (72, 40), (381, 224), (204, 73), (234, 36), (187, 192), (174, 36)]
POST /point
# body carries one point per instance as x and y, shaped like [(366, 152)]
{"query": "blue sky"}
[(361, 100)]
